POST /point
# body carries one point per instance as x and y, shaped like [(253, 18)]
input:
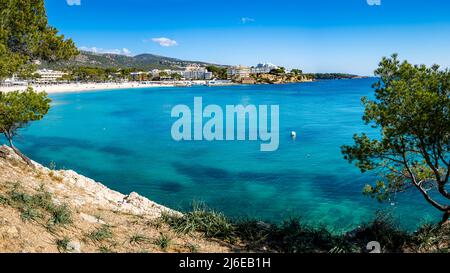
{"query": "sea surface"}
[(123, 139)]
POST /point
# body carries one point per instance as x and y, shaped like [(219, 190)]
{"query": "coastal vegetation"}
[(97, 74), (293, 235), (218, 72), (26, 38), (141, 62), (411, 111), (280, 76), (17, 110), (38, 207)]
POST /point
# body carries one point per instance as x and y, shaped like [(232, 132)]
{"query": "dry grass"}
[(46, 219)]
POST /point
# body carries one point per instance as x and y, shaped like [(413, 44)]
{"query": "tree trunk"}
[(19, 153)]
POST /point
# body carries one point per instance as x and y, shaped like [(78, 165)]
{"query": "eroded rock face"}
[(101, 195), (141, 205), (83, 191), (92, 209)]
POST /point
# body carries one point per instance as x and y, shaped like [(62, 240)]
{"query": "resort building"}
[(262, 68), (238, 72), (197, 73), (48, 76), (241, 72), (154, 73), (190, 73), (193, 72)]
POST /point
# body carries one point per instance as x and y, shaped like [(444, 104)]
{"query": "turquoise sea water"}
[(122, 138)]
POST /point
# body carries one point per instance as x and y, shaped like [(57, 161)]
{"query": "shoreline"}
[(83, 87), (89, 87)]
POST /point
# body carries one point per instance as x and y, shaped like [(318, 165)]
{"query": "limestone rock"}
[(95, 193), (74, 247), (91, 219)]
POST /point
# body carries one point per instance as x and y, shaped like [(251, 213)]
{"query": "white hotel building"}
[(196, 73), (262, 68), (48, 76), (238, 72), (245, 71)]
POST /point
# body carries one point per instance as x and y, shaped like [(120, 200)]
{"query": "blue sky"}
[(316, 36)]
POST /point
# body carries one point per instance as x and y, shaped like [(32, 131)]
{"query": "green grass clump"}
[(211, 223), (38, 206), (101, 234), (63, 244), (105, 249), (4, 200), (163, 241), (192, 248), (138, 239), (29, 214), (60, 215)]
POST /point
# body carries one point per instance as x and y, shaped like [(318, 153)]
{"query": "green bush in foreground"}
[(294, 236), (213, 224), (103, 233)]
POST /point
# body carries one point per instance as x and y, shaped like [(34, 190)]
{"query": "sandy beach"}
[(82, 87)]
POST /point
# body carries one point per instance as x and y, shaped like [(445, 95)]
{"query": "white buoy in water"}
[(293, 134)]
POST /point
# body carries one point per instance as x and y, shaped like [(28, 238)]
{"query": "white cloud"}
[(126, 51), (166, 42), (73, 2), (246, 20), (123, 51)]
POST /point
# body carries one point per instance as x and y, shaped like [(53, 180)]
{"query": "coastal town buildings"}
[(13, 80), (189, 73), (238, 72), (244, 72), (154, 73), (196, 73), (262, 68), (42, 76)]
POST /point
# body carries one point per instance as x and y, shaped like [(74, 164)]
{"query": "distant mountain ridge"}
[(108, 60)]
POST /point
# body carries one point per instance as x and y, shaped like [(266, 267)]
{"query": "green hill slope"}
[(142, 62)]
